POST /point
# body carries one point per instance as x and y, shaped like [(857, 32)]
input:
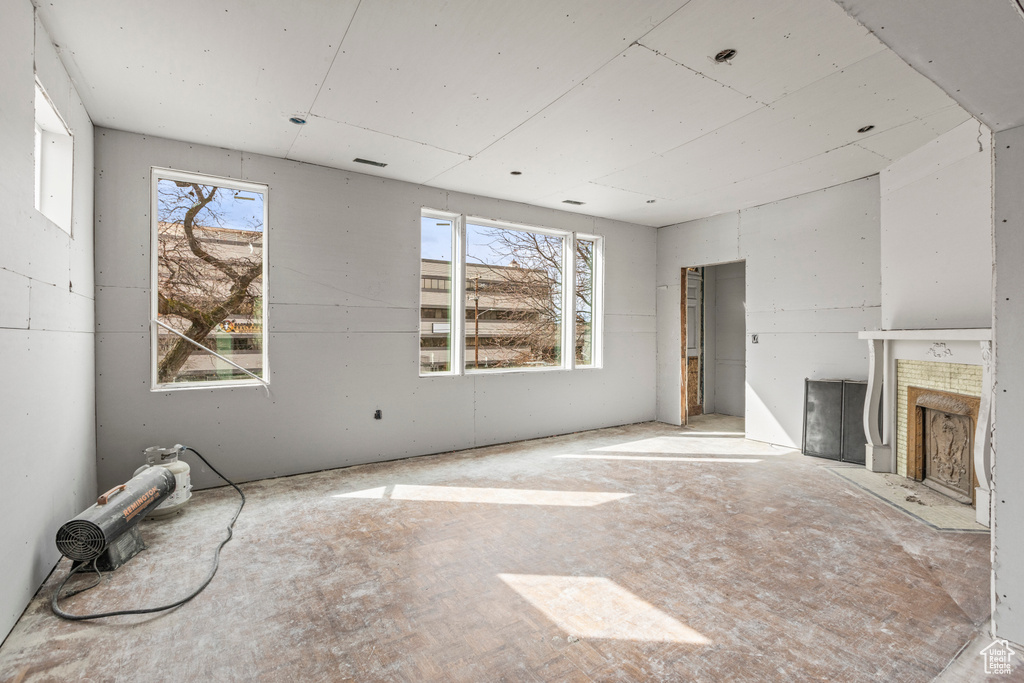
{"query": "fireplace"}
[(957, 362), (940, 441)]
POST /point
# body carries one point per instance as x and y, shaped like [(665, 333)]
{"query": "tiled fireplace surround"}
[(955, 361)]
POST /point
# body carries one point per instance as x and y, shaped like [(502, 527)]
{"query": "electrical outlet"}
[(377, 415)]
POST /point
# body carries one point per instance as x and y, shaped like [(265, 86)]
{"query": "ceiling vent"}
[(378, 164)]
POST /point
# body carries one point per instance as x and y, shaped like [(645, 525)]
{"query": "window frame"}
[(596, 304), (157, 174), (50, 165), (458, 295)]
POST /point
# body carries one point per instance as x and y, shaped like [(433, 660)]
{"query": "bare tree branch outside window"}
[(514, 278), (210, 280)]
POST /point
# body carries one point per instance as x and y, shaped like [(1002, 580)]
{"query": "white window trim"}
[(457, 314), (156, 175), (596, 303), (456, 305), (57, 126)]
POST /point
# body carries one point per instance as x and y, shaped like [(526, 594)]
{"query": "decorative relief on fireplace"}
[(940, 350), (940, 431)]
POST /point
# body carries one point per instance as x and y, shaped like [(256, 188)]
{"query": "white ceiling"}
[(617, 104), (974, 50)]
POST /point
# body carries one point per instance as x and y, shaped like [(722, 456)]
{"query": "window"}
[(585, 264), (437, 244), (503, 298), (517, 275), (54, 162), (209, 301)]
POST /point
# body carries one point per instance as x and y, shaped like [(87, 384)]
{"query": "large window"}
[(492, 296), (209, 244)]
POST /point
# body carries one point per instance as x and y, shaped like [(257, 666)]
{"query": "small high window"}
[(54, 162), (210, 285)]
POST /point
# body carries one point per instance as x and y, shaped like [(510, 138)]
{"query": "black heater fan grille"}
[(80, 540)]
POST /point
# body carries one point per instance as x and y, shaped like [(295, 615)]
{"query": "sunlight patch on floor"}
[(656, 458), (597, 607), (465, 494), (691, 443), (698, 434)]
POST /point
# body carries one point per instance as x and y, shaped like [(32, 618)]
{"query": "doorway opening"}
[(713, 335)]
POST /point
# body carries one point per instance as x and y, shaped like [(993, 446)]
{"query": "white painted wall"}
[(46, 323), (937, 233), (1008, 433), (812, 282), (343, 318), (730, 337)]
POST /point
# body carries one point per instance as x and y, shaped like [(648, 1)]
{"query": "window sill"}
[(509, 371), (192, 386)]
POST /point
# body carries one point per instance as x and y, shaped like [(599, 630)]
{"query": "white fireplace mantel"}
[(884, 346), (968, 334)]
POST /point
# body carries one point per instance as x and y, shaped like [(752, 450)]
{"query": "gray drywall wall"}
[(343, 320), (730, 335), (1008, 433), (47, 406), (812, 281), (937, 233)]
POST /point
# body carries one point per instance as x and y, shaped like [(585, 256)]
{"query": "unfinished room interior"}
[(447, 340)]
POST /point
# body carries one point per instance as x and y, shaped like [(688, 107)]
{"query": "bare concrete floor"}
[(638, 553)]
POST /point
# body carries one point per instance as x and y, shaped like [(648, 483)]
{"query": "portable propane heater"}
[(108, 532)]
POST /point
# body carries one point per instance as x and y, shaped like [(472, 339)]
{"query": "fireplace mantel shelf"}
[(962, 334)]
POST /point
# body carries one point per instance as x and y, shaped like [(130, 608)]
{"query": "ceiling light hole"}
[(651, 201), (573, 202), (298, 120), (516, 173), (865, 129), (725, 55)]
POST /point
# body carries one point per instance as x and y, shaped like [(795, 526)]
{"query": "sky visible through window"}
[(240, 210), (435, 238), (436, 242), (237, 209)]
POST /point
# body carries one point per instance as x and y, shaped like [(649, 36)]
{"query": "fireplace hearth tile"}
[(934, 509)]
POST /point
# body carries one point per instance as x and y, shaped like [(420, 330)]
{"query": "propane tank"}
[(168, 459)]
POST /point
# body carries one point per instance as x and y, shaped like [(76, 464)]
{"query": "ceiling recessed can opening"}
[(515, 173), (865, 129), (368, 162), (298, 120), (651, 201), (725, 55), (573, 202)]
